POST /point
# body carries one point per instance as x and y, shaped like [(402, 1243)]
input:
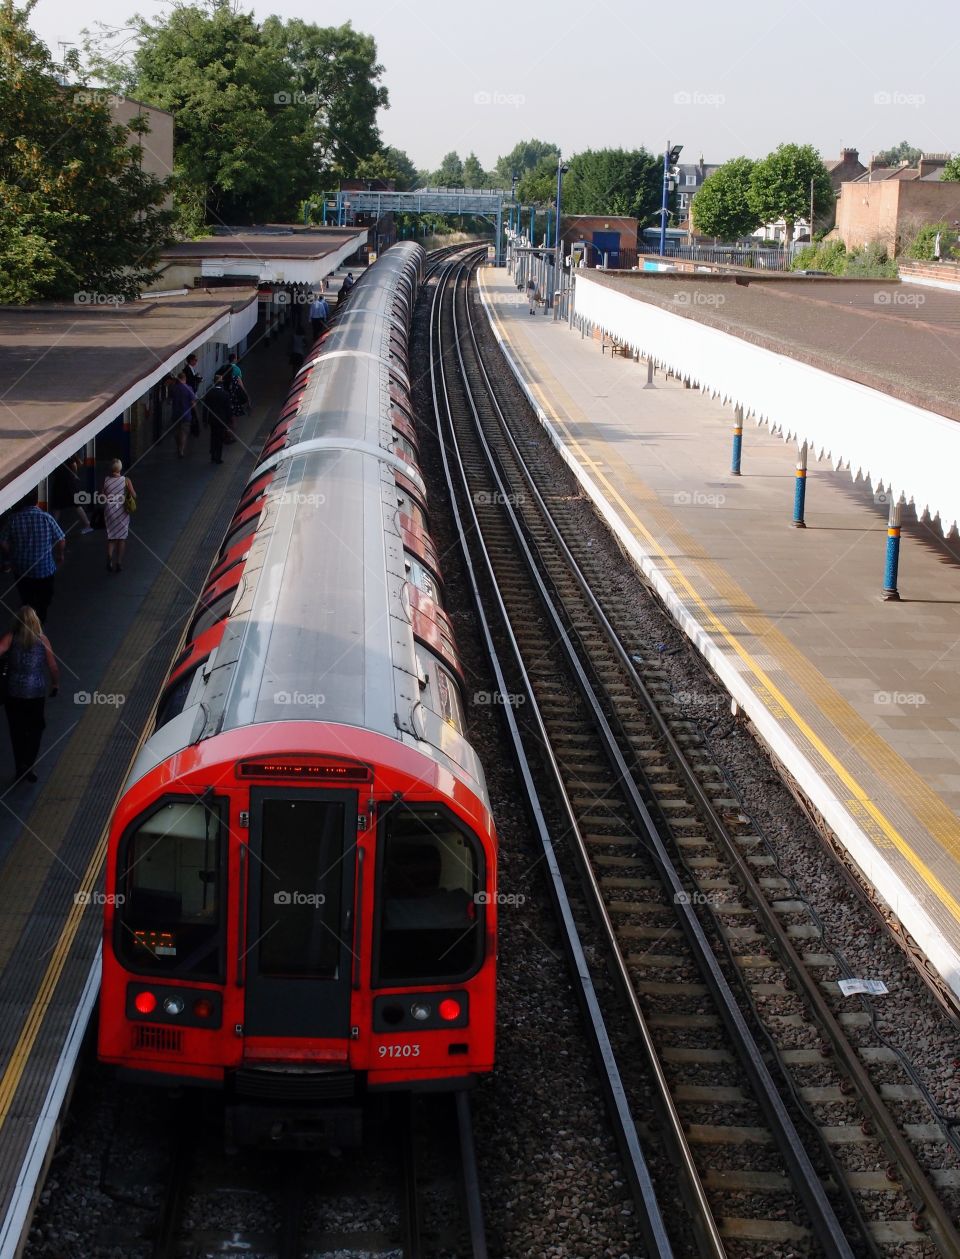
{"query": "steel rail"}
[(624, 1127)]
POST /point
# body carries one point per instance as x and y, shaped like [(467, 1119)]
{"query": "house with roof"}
[(891, 203), (690, 177)]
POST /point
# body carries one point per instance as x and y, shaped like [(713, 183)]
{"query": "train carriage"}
[(302, 868)]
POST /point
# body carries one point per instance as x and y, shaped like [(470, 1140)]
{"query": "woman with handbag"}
[(119, 503), (28, 665)]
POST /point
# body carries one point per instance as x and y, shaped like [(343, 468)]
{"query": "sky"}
[(720, 81)]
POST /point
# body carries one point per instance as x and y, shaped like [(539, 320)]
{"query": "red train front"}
[(302, 870)]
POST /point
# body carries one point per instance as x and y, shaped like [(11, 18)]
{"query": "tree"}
[(406, 174), (336, 69), (77, 213), (614, 181), (522, 159), (780, 186), (721, 206), (539, 186), (902, 152), (474, 176), (450, 174), (264, 115), (951, 171)]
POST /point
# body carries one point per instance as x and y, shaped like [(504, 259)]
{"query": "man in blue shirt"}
[(34, 544)]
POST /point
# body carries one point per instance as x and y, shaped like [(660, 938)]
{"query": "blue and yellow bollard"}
[(800, 489), (891, 567), (737, 442)]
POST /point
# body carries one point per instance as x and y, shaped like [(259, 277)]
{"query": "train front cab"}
[(304, 933)]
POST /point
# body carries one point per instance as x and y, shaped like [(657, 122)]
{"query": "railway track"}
[(392, 1201), (767, 1104)]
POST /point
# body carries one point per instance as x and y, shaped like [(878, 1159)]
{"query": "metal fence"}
[(729, 255)]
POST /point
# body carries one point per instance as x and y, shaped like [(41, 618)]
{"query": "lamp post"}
[(670, 157), (558, 281)]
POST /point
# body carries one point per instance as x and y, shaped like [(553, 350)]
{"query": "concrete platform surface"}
[(859, 698)]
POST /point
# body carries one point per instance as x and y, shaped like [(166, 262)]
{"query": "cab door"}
[(300, 890)]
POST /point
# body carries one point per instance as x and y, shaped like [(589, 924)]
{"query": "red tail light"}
[(145, 1002), (449, 1009), (203, 1008)]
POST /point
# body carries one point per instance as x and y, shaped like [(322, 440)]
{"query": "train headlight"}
[(421, 1011), (173, 1005)]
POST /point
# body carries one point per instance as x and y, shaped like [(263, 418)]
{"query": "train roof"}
[(321, 627)]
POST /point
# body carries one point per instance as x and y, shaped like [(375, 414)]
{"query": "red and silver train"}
[(301, 878)]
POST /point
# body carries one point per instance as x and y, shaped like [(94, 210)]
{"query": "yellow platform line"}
[(860, 798)]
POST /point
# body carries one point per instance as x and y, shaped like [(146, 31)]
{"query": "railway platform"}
[(114, 635), (858, 698)]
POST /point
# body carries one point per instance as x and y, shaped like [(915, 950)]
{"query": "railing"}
[(728, 255)]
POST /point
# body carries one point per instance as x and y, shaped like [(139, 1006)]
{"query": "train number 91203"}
[(398, 1051)]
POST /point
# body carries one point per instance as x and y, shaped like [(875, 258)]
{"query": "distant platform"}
[(858, 698)]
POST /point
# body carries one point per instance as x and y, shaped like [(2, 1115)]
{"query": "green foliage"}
[(868, 262), (474, 176), (539, 186), (923, 245), (264, 114), (522, 159), (902, 152), (951, 171), (614, 181), (450, 174), (405, 173), (77, 214), (721, 206), (780, 186)]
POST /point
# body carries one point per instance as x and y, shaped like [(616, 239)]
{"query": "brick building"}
[(892, 210), (610, 234), (845, 167)]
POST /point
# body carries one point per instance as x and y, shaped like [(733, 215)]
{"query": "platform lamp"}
[(670, 158), (561, 171)]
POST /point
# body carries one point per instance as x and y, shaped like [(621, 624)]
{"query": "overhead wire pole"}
[(558, 278), (670, 157)]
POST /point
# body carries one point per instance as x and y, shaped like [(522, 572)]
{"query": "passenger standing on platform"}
[(345, 287), (184, 406), (119, 497), (237, 388), (34, 544), (31, 664), (193, 376), (532, 296), (219, 412), (319, 315), (66, 489)]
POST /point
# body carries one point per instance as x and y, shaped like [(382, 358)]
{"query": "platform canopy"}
[(864, 372)]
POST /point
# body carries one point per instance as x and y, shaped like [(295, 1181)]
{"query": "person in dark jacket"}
[(218, 412), (31, 668)]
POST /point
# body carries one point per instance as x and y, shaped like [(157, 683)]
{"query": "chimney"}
[(930, 162), (851, 156)]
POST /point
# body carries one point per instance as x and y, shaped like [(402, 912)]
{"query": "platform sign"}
[(371, 257), (491, 253)]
